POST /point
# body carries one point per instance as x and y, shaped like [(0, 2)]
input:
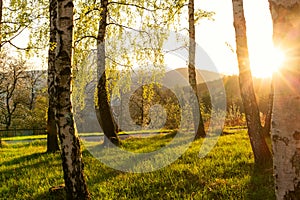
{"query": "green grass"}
[(36, 137), (227, 172), (27, 137)]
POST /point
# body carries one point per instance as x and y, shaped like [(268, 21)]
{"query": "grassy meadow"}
[(227, 172)]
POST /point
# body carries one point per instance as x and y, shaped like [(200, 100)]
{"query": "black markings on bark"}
[(293, 195), (296, 135), (65, 71), (277, 138), (69, 4), (296, 162)]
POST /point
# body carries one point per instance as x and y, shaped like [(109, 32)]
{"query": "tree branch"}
[(130, 28), (19, 48), (84, 37), (133, 5), (123, 65), (88, 12)]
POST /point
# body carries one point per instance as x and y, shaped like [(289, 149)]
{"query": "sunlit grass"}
[(36, 137), (27, 137), (227, 172)]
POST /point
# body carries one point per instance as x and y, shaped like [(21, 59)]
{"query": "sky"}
[(214, 36), (217, 37)]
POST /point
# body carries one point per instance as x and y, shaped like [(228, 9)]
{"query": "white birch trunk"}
[(71, 156), (286, 110)]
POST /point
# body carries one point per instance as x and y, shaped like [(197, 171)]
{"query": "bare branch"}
[(133, 5), (178, 48), (19, 30), (19, 48), (84, 37), (88, 12)]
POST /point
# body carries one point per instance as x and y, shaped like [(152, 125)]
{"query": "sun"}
[(265, 61)]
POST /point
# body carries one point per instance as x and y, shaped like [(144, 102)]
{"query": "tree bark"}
[(72, 163), (52, 140), (1, 10), (286, 109), (268, 119), (103, 109), (200, 132), (262, 154)]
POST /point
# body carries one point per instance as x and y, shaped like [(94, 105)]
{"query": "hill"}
[(180, 77)]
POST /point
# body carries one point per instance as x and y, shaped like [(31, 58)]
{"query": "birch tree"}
[(262, 154), (286, 109), (75, 184), (117, 20), (103, 110)]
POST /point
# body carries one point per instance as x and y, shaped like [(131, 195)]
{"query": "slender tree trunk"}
[(1, 9), (192, 72), (9, 113), (262, 154), (103, 109), (75, 184), (286, 117), (52, 140)]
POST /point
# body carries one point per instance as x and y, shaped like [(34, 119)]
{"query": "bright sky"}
[(218, 36), (214, 36)]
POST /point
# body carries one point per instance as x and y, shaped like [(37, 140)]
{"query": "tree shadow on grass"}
[(261, 185), (19, 173), (53, 194), (23, 159)]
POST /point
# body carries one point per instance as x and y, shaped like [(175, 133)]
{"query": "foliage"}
[(23, 17), (22, 94), (130, 43), (227, 172), (234, 116)]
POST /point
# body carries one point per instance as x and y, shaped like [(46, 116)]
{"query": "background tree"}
[(200, 132), (34, 79), (262, 154), (76, 187), (13, 79), (285, 123)]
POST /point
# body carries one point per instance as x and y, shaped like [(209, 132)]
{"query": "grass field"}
[(37, 137), (227, 172)]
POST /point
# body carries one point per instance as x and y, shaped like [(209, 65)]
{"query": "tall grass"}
[(227, 172)]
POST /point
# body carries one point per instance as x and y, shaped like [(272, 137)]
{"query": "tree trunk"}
[(1, 10), (103, 109), (285, 124), (268, 119), (262, 154), (75, 184), (192, 72), (52, 140)]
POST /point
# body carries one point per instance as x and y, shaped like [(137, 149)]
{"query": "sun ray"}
[(265, 61)]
